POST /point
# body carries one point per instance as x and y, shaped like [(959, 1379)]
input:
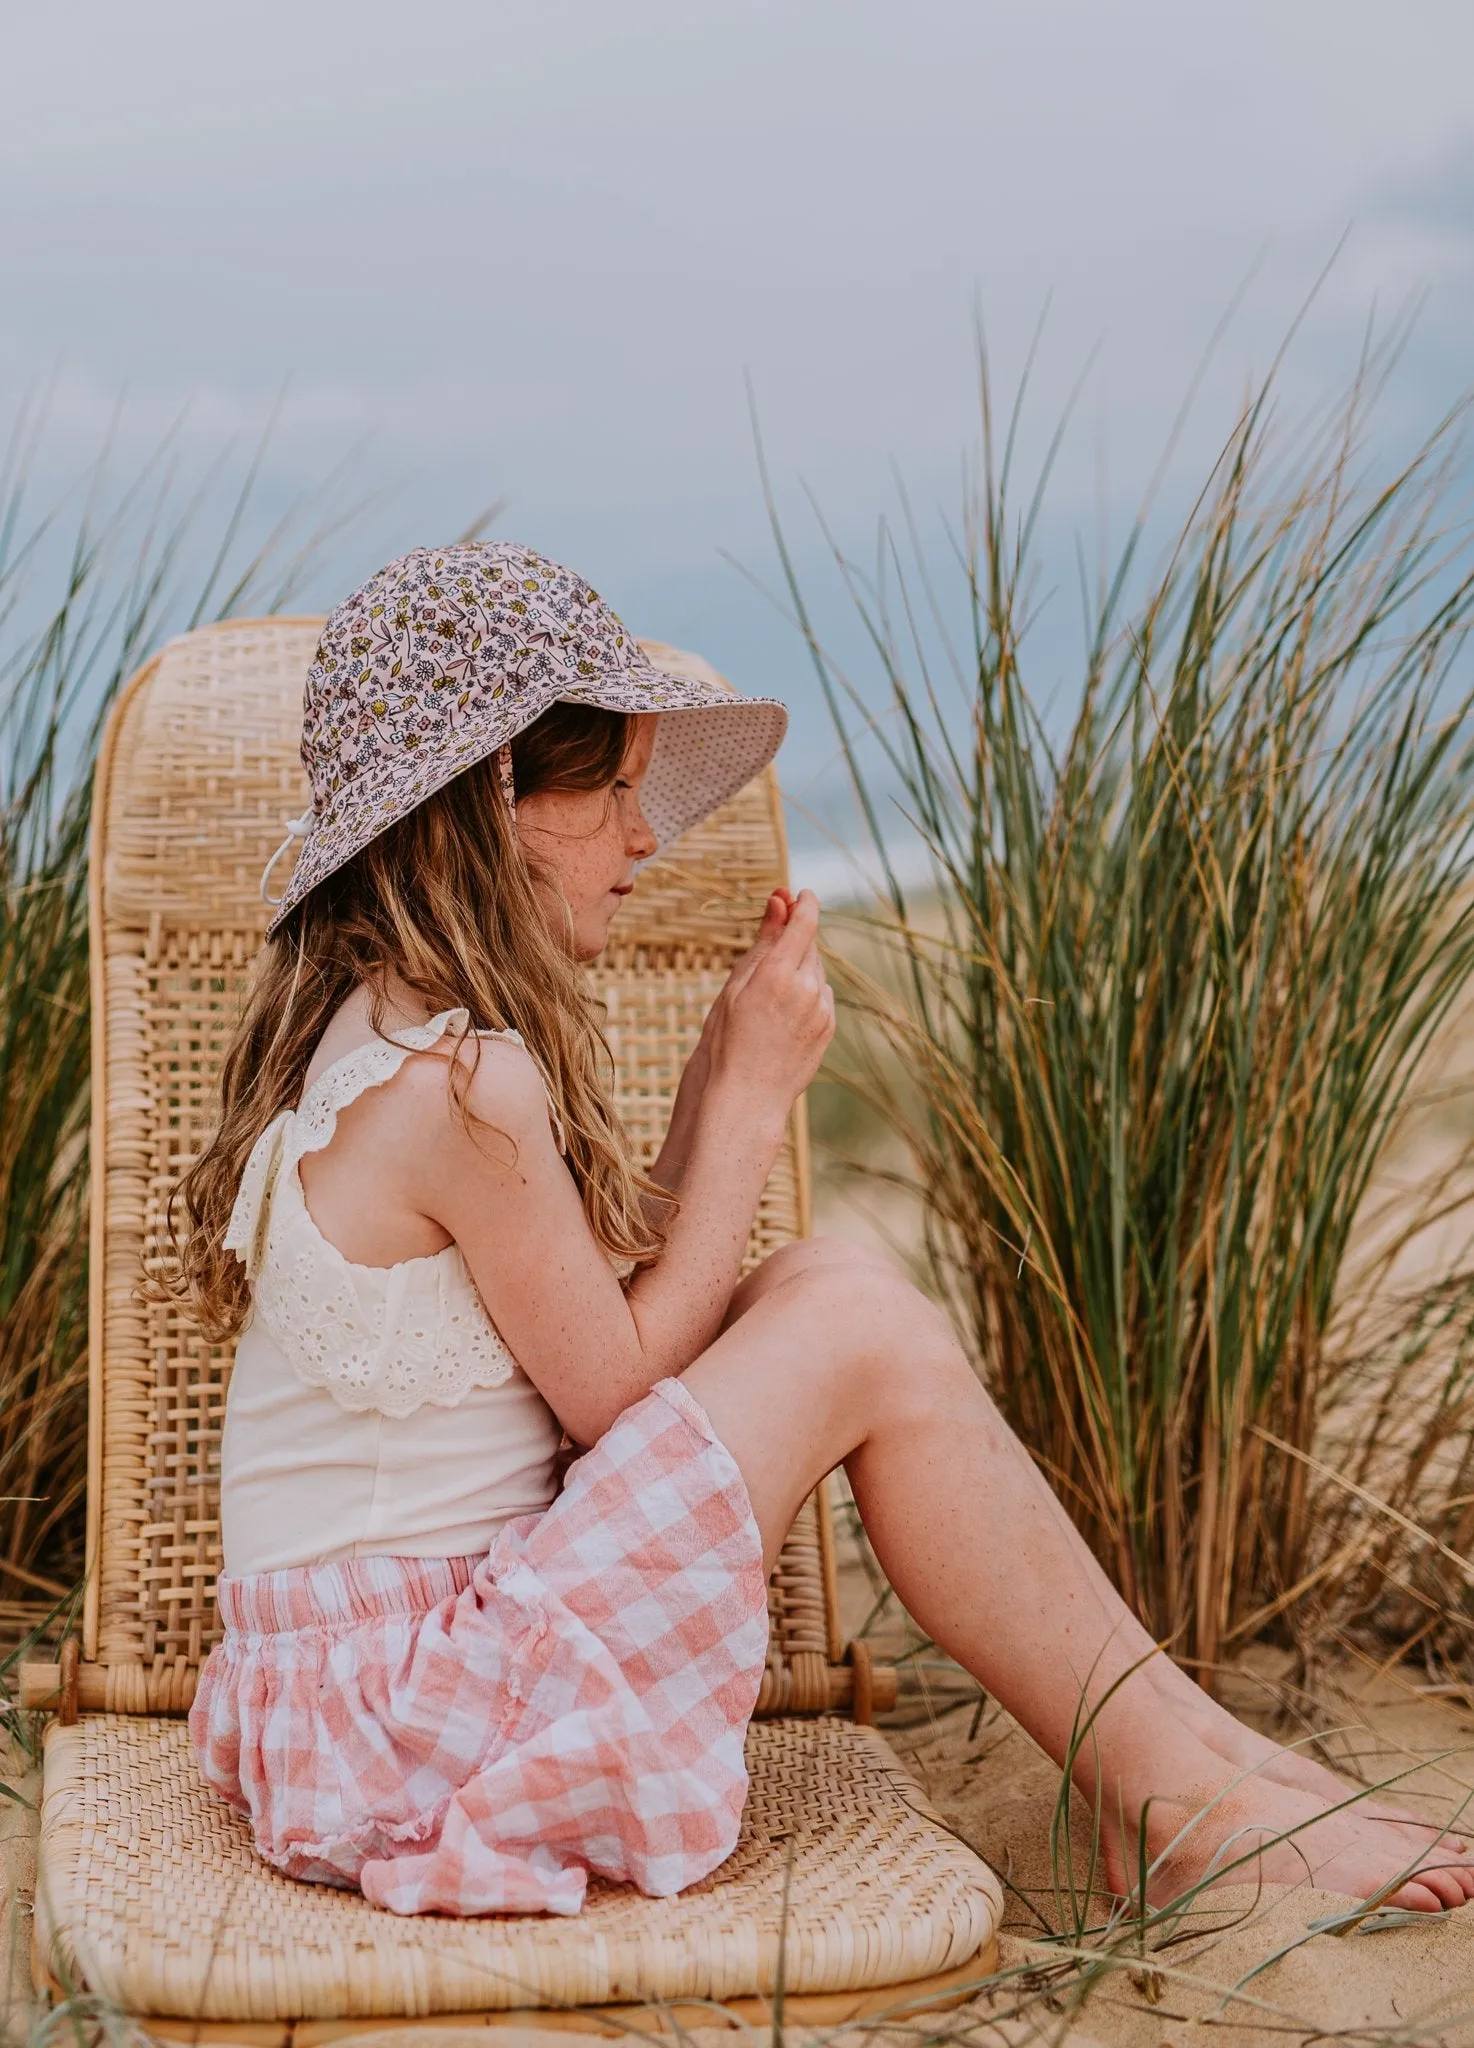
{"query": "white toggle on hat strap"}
[(297, 828)]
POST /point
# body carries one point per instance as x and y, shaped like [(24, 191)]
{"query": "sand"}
[(1412, 1982), (17, 1879)]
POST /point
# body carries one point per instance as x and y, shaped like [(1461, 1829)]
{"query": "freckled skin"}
[(591, 840)]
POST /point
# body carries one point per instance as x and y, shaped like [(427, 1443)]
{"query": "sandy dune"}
[(1413, 1982)]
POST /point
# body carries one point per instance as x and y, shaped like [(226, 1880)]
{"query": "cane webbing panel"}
[(150, 1892), (199, 768)]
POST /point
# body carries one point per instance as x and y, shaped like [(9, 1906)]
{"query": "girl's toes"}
[(1463, 1876), (1416, 1897), (1445, 1885)]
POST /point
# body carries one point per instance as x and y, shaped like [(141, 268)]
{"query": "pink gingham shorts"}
[(475, 1735)]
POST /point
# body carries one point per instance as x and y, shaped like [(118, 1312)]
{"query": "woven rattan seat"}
[(170, 1910), (148, 1887)]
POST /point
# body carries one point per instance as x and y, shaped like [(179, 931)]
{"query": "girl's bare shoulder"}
[(504, 1088)]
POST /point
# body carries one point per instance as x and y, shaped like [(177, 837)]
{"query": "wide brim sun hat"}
[(442, 658)]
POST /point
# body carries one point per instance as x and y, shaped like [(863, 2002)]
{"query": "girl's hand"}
[(669, 1169), (697, 1071), (771, 1025)]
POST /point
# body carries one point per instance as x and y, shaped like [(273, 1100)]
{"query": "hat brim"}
[(709, 743), (704, 753)]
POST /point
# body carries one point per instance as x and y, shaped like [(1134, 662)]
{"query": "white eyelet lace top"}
[(373, 1410)]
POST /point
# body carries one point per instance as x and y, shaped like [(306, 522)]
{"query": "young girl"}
[(452, 1674)]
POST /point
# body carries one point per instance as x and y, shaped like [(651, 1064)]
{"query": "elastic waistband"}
[(358, 1589)]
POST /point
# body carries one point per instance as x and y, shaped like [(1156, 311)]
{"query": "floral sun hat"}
[(440, 659)]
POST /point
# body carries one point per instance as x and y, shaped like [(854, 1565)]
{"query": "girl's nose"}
[(642, 841)]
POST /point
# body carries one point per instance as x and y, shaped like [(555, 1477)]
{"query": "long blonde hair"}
[(444, 898)]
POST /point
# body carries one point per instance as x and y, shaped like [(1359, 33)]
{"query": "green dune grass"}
[(1159, 1033)]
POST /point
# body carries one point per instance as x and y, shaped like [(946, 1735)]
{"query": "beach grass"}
[(1162, 1030), (89, 586)]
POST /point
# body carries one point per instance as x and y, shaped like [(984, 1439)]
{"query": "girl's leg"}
[(1237, 1744), (829, 1357)]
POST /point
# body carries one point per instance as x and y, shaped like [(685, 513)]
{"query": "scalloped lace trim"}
[(391, 1338)]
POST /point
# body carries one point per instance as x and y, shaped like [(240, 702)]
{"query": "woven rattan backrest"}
[(199, 768)]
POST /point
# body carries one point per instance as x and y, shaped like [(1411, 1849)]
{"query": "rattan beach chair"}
[(845, 1889)]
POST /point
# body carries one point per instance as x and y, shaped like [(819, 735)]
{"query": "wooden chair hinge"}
[(862, 1664)]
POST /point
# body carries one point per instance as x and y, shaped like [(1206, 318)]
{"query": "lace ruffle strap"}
[(245, 1234), (310, 1127), (370, 1065)]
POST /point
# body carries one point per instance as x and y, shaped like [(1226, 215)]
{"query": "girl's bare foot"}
[(1250, 1829), (1247, 1750)]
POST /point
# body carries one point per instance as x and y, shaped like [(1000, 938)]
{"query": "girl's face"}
[(587, 842)]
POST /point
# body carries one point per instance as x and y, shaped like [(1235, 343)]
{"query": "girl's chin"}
[(591, 924)]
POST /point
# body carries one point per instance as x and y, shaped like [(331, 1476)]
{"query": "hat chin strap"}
[(504, 775), (297, 828)]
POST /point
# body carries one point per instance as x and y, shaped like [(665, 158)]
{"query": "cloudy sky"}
[(530, 253)]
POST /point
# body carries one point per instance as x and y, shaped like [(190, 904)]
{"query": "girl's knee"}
[(826, 1255), (805, 1260), (867, 1330), (902, 1359)]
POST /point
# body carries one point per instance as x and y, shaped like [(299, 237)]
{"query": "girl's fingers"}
[(776, 914), (801, 932), (775, 917)]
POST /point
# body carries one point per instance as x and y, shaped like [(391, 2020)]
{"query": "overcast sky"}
[(530, 251)]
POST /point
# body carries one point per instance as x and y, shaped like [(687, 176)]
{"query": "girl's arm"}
[(590, 1346)]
